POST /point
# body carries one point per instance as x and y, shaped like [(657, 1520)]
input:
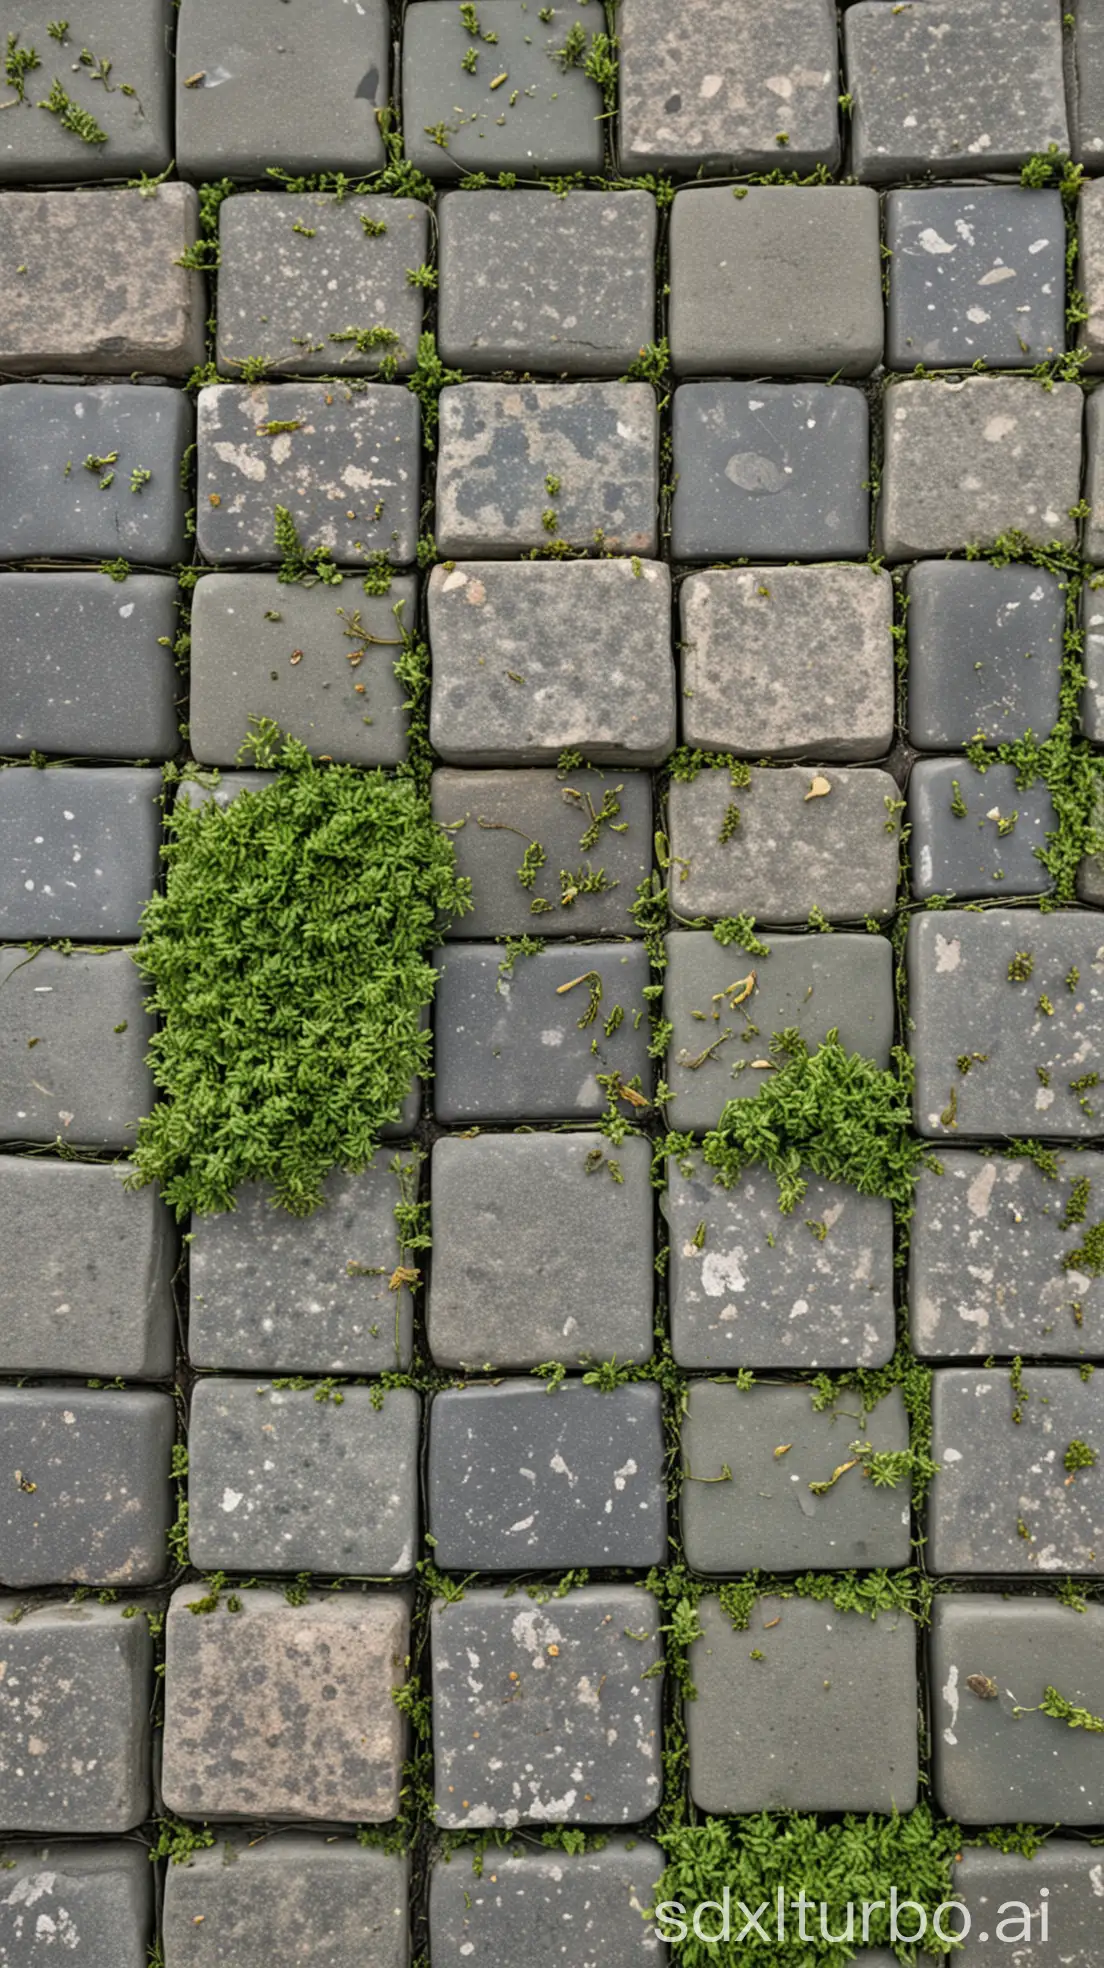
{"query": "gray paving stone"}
[(516, 109), (788, 853), (765, 1290), (283, 1711), (985, 650), (536, 1904), (963, 1002), (301, 274), (815, 983), (992, 1765), (92, 1503), (776, 281), (95, 1900), (558, 1725), (586, 1297), (976, 273), (782, 661), (1087, 97), (521, 465), (54, 505), (260, 1899), (300, 91), (580, 630), (85, 1272), (348, 473), (723, 85), (966, 462), (84, 670), (1093, 537), (131, 106), (86, 1017), (834, 1670), (79, 850), (1061, 1879), (1092, 617), (952, 91), (770, 469), (74, 1709), (534, 282), (965, 853)]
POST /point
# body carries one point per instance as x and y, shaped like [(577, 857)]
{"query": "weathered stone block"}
[(1092, 617), (86, 1017), (1087, 97), (85, 669), (1048, 1902), (130, 103), (770, 468), (536, 1900), (74, 1718), (90, 1500), (977, 273), (94, 1900), (1093, 538), (984, 652), (265, 1897), (91, 474), (977, 833), (79, 851)]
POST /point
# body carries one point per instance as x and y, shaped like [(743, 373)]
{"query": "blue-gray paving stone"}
[(775, 470), (524, 1477), (54, 506), (263, 1899), (74, 1718), (992, 1763), (73, 1048), (544, 1714), (89, 1502), (94, 1900), (583, 1297), (967, 854), (1063, 1878), (985, 652), (134, 109), (977, 273), (963, 1002), (523, 1047), (1087, 100), (535, 1906), (1093, 536), (1092, 703), (86, 669), (79, 850)]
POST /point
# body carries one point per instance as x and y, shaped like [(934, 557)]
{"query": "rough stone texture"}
[(770, 469), (968, 461), (990, 1764), (1087, 98), (975, 273), (534, 282), (559, 1725), (89, 1501), (952, 91), (135, 113), (99, 288), (1093, 539), (95, 1900), (788, 854), (531, 659), (298, 1892), (517, 1048), (520, 465), (74, 1719), (525, 1477), (349, 475), (298, 273), (283, 1711), (85, 1081), (79, 851), (84, 669), (965, 854), (985, 649), (1063, 1877), (508, 1288), (53, 506), (484, 813), (1092, 703), (279, 1481), (782, 661), (963, 1001), (85, 1272), (535, 1906), (834, 1670), (718, 85), (815, 983), (779, 282), (297, 669), (763, 1290)]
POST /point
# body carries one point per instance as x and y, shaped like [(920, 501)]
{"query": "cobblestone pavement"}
[(711, 388)]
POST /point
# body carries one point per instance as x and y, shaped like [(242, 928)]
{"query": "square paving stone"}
[(283, 1711), (91, 1500), (776, 281), (1040, 1033), (1087, 99), (85, 669), (728, 85), (301, 275), (815, 983), (348, 471), (988, 849), (73, 1048), (1003, 1500), (985, 652), (523, 1476), (1093, 541), (532, 1906), (975, 273), (991, 1764), (95, 1900), (85, 1272), (584, 1297), (279, 1481), (802, 1657), (69, 461), (1092, 617), (516, 107), (781, 661), (299, 90), (766, 1290), (1061, 1882), (543, 1714), (966, 462), (529, 1046), (524, 464), (259, 1900), (130, 102), (949, 91), (770, 469), (595, 641), (788, 853), (79, 850), (74, 1718)]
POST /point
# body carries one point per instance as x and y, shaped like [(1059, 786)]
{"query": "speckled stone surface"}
[(74, 1718), (79, 851), (521, 1734), (1090, 268), (93, 1900), (1087, 105), (84, 669), (259, 1899), (984, 646), (90, 1501), (770, 469), (1061, 1877), (54, 505), (976, 272), (1092, 703), (85, 1081), (597, 1904), (966, 854), (135, 113), (1093, 535)]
